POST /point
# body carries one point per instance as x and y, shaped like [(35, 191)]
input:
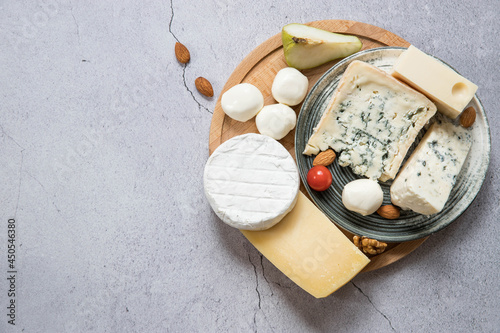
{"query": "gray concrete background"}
[(103, 139)]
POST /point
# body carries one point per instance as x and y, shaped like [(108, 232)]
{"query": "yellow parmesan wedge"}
[(308, 248)]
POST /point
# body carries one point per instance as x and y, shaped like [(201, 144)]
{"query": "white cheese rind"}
[(251, 182), (372, 120), (427, 178), (449, 90)]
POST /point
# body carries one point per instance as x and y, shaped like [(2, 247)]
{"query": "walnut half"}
[(368, 245)]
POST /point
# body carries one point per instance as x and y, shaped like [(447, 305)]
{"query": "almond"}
[(182, 53), (204, 86), (325, 158), (389, 212), (468, 117)]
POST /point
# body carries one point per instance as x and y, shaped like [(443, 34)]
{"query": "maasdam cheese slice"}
[(449, 90)]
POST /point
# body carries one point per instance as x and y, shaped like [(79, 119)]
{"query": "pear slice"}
[(308, 47)]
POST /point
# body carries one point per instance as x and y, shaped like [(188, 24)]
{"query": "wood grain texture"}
[(260, 67)]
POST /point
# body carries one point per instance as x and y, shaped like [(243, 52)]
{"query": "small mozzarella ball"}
[(242, 102), (276, 120), (363, 196), (289, 86)]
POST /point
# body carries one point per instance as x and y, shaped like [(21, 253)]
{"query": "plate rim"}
[(391, 238)]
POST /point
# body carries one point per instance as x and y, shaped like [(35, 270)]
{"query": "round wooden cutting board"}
[(261, 66)]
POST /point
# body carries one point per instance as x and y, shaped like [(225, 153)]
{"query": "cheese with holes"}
[(372, 120), (449, 90), (427, 178), (308, 248), (251, 181)]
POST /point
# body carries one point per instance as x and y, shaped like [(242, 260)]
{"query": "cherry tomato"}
[(319, 178)]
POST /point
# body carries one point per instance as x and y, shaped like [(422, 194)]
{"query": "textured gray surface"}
[(103, 140)]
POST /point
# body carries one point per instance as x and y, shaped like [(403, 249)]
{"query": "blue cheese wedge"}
[(372, 120), (427, 178)]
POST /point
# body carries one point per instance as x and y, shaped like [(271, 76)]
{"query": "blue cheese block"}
[(427, 178), (371, 121)]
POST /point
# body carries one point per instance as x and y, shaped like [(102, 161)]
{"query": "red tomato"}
[(319, 178)]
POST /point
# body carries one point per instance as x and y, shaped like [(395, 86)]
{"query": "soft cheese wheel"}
[(251, 181)]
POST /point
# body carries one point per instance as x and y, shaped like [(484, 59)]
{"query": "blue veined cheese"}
[(371, 121), (427, 178)]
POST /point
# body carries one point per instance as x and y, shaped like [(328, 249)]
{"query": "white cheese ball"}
[(242, 102), (363, 196), (276, 120), (289, 86)]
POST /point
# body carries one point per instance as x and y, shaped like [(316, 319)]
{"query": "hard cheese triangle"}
[(308, 248)]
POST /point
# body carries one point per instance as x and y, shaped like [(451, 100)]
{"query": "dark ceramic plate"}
[(410, 225)]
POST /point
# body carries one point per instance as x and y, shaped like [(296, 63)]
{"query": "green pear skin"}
[(307, 47)]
